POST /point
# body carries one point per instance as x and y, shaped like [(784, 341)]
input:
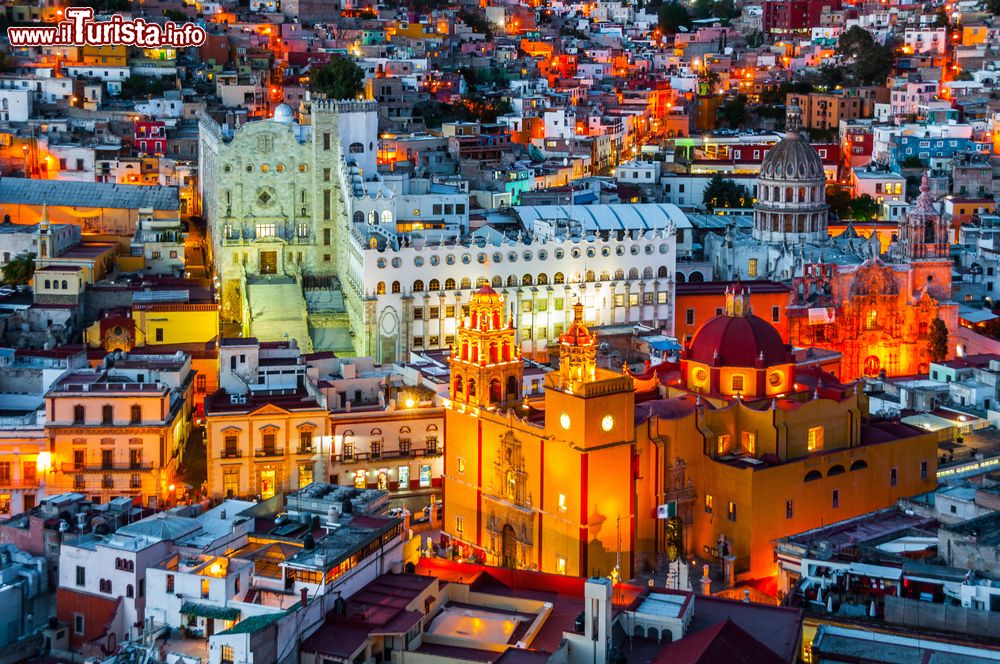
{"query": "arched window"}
[(860, 464), (512, 391), (395, 287), (48, 284), (64, 285), (680, 277), (496, 320), (494, 355), (465, 350), (788, 194), (647, 273), (605, 275), (696, 277), (512, 280), (543, 279), (359, 217), (356, 148), (418, 286), (802, 195), (458, 386), (372, 218), (466, 283), (505, 352), (434, 285), (136, 414), (526, 280), (449, 284), (129, 591), (633, 273), (472, 388), (386, 217), (835, 470), (619, 274), (558, 278), (497, 281), (589, 276), (662, 272), (380, 288), (812, 476)]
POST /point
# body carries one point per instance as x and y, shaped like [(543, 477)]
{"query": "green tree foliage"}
[(937, 341), (734, 112), (339, 79), (839, 200), (863, 208), (19, 269), (871, 62), (912, 161), (723, 193), (672, 17), (724, 10), (993, 6), (477, 21), (471, 109)]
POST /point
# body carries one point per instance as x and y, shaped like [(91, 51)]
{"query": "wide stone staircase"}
[(278, 310)]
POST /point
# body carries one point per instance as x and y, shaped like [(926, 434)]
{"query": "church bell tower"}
[(486, 366)]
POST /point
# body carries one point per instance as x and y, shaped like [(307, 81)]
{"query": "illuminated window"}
[(752, 267), (738, 383), (560, 564), (815, 441), (461, 465), (731, 514), (749, 442), (871, 322), (359, 479), (723, 444), (708, 503), (460, 525), (305, 475), (562, 502)]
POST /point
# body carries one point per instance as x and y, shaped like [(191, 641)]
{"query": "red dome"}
[(739, 342)]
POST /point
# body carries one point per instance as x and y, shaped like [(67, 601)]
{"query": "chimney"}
[(305, 596)]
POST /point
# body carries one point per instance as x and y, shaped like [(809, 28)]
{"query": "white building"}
[(15, 105)]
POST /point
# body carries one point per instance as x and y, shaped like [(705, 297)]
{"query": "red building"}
[(150, 137), (795, 15)]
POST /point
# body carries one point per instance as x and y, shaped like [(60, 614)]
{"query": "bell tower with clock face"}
[(584, 403)]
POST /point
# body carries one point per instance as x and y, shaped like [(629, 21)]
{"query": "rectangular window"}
[(752, 267), (326, 204), (689, 317), (738, 383), (326, 141), (923, 470), (647, 298), (732, 511), (78, 623), (815, 439), (461, 465), (81, 575), (228, 656), (418, 313), (619, 299), (449, 311), (159, 334), (722, 444), (788, 509), (633, 299), (326, 174), (775, 314), (562, 502), (749, 443), (708, 503), (836, 498), (661, 297), (435, 313), (560, 564), (231, 481), (460, 525), (893, 479)]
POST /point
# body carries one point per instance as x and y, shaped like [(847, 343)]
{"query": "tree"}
[(478, 22), (854, 41), (19, 269), (672, 17), (912, 161), (993, 7), (937, 341), (723, 193), (339, 79), (734, 112), (863, 208), (839, 200), (873, 65)]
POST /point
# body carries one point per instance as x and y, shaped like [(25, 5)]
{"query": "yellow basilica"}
[(609, 473)]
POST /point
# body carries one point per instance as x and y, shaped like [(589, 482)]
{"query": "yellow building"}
[(113, 56), (724, 454), (119, 430)]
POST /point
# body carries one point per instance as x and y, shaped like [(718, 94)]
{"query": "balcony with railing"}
[(232, 453), (357, 457), (269, 452), (7, 484), (119, 467)]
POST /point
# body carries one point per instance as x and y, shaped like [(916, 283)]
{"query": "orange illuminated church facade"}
[(878, 314), (736, 443)]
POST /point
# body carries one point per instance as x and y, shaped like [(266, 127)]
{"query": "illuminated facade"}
[(878, 314), (743, 447)]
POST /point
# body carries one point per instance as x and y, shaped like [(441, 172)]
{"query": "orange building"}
[(825, 110), (695, 303), (878, 314), (740, 447)]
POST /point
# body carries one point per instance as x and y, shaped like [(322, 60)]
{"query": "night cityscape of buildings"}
[(501, 331)]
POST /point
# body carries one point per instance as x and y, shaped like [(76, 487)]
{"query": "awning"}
[(970, 315), (209, 611), (876, 571), (664, 345)]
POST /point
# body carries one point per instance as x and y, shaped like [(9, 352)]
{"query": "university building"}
[(738, 445)]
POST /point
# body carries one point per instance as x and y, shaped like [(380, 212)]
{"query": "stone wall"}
[(918, 615)]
